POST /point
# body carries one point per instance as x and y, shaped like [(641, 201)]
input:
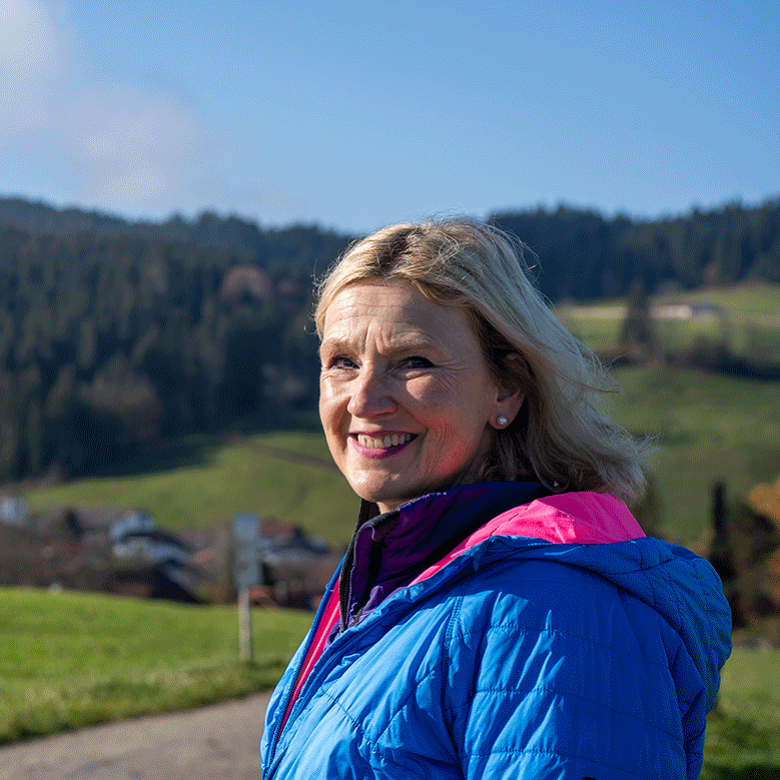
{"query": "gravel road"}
[(213, 743)]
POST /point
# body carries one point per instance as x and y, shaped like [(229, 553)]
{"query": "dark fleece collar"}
[(389, 550)]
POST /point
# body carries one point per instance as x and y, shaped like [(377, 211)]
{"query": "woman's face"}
[(406, 398)]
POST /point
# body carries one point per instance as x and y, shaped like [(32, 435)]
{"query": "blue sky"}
[(354, 115)]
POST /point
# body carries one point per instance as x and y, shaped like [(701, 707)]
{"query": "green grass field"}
[(212, 481), (69, 660), (756, 298), (743, 733), (708, 428), (74, 659), (750, 325)]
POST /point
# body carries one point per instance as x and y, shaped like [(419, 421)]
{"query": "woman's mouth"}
[(389, 440), (380, 446)]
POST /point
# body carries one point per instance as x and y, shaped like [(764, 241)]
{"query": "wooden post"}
[(246, 571), (245, 624)]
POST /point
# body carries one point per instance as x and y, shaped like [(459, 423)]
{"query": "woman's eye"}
[(341, 362), (416, 361)]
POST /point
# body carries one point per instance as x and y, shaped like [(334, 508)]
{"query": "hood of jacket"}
[(597, 532)]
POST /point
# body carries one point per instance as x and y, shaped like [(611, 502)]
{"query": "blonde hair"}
[(562, 436)]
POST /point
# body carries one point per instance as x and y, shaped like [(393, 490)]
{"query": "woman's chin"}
[(386, 495)]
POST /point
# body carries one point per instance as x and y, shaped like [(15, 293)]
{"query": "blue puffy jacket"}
[(520, 655)]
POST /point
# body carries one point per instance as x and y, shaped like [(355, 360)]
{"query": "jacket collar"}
[(389, 550)]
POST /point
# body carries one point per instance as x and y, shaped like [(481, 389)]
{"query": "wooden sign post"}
[(246, 573)]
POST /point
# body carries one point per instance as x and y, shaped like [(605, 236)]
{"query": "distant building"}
[(294, 567), (123, 551), (89, 548), (687, 311)]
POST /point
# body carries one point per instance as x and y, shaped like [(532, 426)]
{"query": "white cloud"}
[(119, 147), (130, 149), (34, 56), (29, 38), (109, 145)]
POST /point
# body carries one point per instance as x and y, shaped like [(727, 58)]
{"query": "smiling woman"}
[(499, 612), (407, 398)]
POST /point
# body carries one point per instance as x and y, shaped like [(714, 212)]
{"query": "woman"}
[(499, 612)]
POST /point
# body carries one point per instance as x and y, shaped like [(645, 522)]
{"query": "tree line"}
[(584, 256), (116, 334)]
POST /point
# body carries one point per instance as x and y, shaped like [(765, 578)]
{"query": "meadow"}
[(748, 321), (706, 428), (74, 659), (743, 732), (200, 482)]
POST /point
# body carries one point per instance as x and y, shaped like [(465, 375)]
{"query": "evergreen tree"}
[(639, 332)]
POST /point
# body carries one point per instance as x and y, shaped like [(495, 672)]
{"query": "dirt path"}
[(214, 743)]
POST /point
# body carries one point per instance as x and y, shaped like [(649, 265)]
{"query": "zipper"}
[(323, 664), (340, 645), (321, 668), (285, 704)]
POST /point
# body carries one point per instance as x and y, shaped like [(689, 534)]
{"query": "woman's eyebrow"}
[(404, 342), (337, 341), (336, 345), (330, 347)]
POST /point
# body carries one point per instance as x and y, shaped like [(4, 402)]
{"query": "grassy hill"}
[(708, 428), (749, 323), (73, 659), (743, 732), (200, 482)]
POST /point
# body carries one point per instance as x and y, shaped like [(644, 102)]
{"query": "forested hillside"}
[(582, 255), (117, 333), (113, 333)]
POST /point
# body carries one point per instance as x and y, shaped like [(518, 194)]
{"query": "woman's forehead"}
[(393, 310)]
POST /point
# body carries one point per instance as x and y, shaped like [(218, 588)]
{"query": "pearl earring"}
[(501, 421)]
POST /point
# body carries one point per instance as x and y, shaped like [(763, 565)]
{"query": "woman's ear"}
[(506, 408), (515, 373)]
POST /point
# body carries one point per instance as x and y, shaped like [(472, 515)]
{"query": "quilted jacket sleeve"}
[(553, 672)]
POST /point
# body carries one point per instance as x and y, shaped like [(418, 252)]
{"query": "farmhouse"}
[(93, 548), (293, 569), (123, 551), (686, 311)]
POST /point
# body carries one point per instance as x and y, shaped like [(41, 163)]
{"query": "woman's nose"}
[(371, 394)]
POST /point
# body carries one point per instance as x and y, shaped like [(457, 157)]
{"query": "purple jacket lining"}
[(388, 551)]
